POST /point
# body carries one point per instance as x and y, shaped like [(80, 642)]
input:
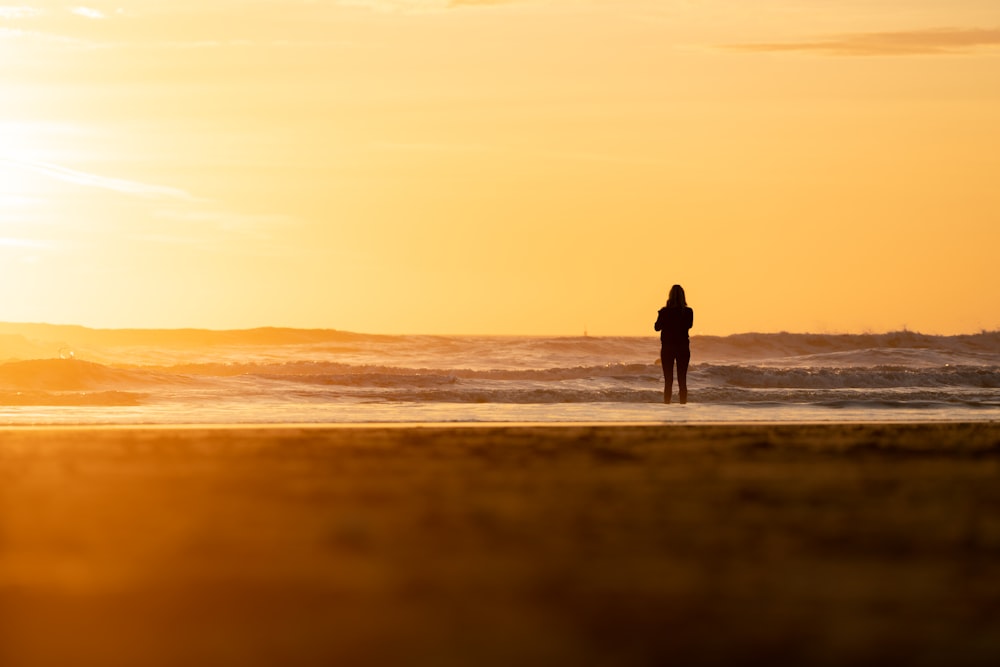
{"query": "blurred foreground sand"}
[(562, 545)]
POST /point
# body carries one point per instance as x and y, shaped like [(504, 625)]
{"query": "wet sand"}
[(520, 545)]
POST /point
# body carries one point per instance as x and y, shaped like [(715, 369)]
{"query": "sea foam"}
[(289, 375)]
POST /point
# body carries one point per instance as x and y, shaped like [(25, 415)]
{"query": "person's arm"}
[(690, 318), (659, 324)]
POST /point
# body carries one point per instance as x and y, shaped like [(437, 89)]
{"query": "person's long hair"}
[(676, 298)]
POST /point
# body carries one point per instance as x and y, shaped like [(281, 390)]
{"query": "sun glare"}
[(12, 141), (19, 188), (434, 180)]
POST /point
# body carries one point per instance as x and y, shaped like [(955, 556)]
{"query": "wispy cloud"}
[(474, 3), (11, 242), (534, 153), (421, 5), (934, 41), (146, 213), (88, 179), (88, 12), (224, 219), (10, 13), (13, 13)]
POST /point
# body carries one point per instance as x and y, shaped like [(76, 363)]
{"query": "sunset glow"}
[(492, 167)]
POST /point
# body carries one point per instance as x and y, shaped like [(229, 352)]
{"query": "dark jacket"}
[(673, 325)]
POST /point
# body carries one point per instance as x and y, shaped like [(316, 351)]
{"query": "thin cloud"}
[(936, 41), (88, 12), (146, 213), (224, 219), (421, 5), (51, 38), (11, 13), (478, 3), (11, 242), (540, 154), (218, 229), (83, 178)]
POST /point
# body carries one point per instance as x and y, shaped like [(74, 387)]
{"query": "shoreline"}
[(367, 425)]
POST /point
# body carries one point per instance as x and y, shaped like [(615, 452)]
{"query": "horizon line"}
[(278, 327)]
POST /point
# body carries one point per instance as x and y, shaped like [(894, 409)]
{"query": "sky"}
[(501, 167)]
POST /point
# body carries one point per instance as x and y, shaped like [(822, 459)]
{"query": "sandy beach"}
[(501, 545)]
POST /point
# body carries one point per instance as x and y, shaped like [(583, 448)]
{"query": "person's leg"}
[(683, 359), (667, 361)]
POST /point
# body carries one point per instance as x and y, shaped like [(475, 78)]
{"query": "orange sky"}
[(531, 167)]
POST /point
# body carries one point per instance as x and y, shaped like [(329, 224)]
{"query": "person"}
[(673, 322)]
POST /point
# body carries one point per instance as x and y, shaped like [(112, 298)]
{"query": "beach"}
[(809, 544)]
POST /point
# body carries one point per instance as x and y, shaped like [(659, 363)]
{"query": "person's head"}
[(676, 298)]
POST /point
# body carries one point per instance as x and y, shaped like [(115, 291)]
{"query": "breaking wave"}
[(311, 368)]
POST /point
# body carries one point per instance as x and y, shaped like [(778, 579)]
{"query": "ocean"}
[(72, 375)]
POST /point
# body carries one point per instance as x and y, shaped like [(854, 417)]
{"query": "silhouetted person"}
[(673, 322)]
